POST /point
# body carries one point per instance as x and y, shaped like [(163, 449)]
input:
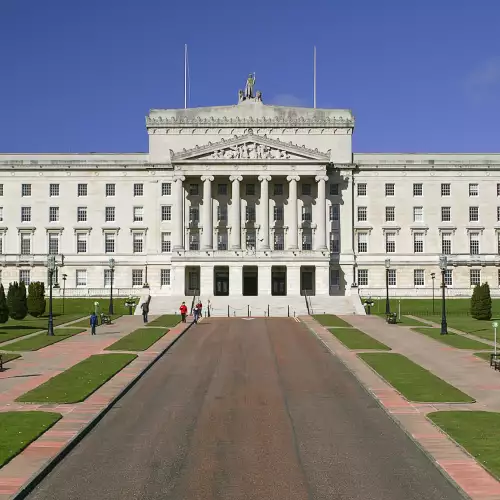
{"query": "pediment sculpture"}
[(250, 151)]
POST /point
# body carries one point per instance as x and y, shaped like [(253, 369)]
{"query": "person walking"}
[(145, 311), (200, 309), (93, 323), (183, 310), (196, 313)]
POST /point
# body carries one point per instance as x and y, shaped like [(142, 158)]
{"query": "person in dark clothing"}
[(145, 311), (93, 323)]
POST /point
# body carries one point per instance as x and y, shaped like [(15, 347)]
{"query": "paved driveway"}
[(250, 410)]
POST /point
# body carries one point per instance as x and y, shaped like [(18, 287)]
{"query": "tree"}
[(484, 303), (4, 310), (474, 301), (16, 300), (36, 299)]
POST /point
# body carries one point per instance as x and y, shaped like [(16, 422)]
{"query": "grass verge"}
[(9, 356), (85, 323), (414, 382), (19, 428), (42, 340), (330, 320), (477, 431), (167, 320), (477, 327), (138, 340), (483, 355), (356, 339), (452, 339), (80, 381)]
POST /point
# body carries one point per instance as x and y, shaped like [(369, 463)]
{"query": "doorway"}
[(192, 280), (278, 280), (221, 280), (308, 280), (250, 280)]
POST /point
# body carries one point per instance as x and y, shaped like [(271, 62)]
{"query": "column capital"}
[(263, 178), (209, 178), (319, 178), (238, 178), (293, 178), (181, 178)]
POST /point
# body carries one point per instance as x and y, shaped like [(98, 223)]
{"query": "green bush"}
[(36, 299), (474, 301), (4, 310), (16, 300), (481, 302)]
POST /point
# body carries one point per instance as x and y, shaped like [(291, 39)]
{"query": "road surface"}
[(246, 410)]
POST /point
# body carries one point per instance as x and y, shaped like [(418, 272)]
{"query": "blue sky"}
[(80, 75)]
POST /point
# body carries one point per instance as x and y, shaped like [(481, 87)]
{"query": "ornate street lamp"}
[(387, 303), (112, 268), (64, 277), (443, 262), (433, 276), (51, 266)]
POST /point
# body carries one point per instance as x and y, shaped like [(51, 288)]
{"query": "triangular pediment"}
[(248, 148)]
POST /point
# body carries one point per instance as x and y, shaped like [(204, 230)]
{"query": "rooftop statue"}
[(248, 93)]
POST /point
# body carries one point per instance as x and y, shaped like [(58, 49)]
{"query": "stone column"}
[(294, 221), (235, 212), (178, 209), (321, 215), (207, 221), (264, 202)]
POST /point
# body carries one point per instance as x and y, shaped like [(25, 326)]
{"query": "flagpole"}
[(185, 75), (314, 79)]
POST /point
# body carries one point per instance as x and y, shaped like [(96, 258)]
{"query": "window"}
[(166, 188), (137, 277), (418, 242), (53, 214), (445, 189), (279, 240), (362, 214), (1, 214), (362, 242), (498, 243), (107, 278), (138, 189), (498, 189), (1, 247), (138, 214), (474, 243), (362, 277), (1, 189), (389, 189), (109, 214), (166, 212), (335, 242), (222, 213), (166, 242), (473, 189), (250, 213), (222, 240), (81, 243), (307, 240), (250, 189), (498, 214), (278, 213), (81, 277), (25, 244), (390, 242), (418, 214), (391, 277), (165, 277), (278, 190), (475, 277), (194, 189), (194, 214), (24, 276), (445, 214), (54, 190), (110, 189), (361, 189), (109, 242), (473, 214), (306, 189), (306, 213), (53, 244), (222, 189), (138, 242), (334, 212), (26, 190), (418, 277), (194, 240), (446, 243), (448, 277), (251, 239), (417, 189), (334, 189), (25, 214), (82, 190), (390, 215), (81, 214)]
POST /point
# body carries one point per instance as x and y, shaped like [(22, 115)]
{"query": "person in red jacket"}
[(183, 309)]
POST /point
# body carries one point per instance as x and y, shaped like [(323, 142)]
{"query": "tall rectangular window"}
[(53, 214), (53, 243), (166, 188), (166, 242), (389, 189), (1, 214), (362, 277), (251, 239), (307, 239), (107, 278), (446, 189), (81, 277), (391, 277), (250, 213), (81, 243), (361, 188), (306, 213), (279, 240), (109, 214), (334, 189), (222, 189), (222, 240), (445, 214), (418, 277), (473, 214), (418, 214), (54, 190), (81, 214), (448, 277), (306, 190), (82, 190), (26, 190), (278, 213), (446, 243), (362, 214), (474, 189), (362, 242), (498, 188), (390, 214), (138, 242), (109, 242), (137, 279), (194, 215), (1, 189), (194, 240), (475, 277), (498, 214), (334, 213), (165, 277), (138, 214), (138, 189), (474, 243), (25, 243), (110, 190), (250, 189), (418, 242), (222, 213), (194, 189), (166, 213), (25, 276), (390, 242), (418, 189), (25, 214), (335, 242)]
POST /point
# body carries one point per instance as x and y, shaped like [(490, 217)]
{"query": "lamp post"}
[(51, 265), (387, 303), (112, 268), (64, 277), (433, 276), (443, 261)]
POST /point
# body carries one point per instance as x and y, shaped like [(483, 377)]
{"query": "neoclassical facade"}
[(251, 199)]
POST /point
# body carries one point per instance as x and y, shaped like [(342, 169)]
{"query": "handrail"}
[(307, 302), (194, 298)]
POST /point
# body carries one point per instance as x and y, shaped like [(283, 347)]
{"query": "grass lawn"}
[(412, 381), (85, 323), (9, 356), (42, 340), (405, 321), (477, 431), (356, 339), (85, 306), (19, 428), (330, 320), (452, 339), (138, 340), (80, 381), (483, 355), (167, 320)]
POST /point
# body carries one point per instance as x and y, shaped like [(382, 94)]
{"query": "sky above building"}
[(80, 75)]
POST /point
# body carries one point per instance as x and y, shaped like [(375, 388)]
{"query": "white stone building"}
[(251, 200)]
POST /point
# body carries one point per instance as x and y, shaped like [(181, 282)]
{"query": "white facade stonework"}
[(251, 199)]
